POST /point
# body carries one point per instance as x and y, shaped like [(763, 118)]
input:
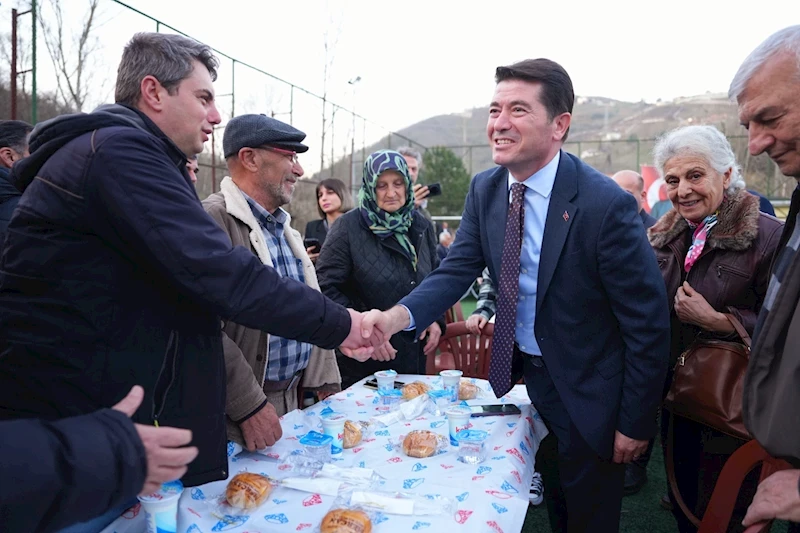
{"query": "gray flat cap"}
[(252, 131)]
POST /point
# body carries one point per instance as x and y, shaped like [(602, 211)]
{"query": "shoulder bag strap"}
[(739, 329), (673, 482)]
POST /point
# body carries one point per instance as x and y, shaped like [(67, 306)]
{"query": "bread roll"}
[(346, 521), (467, 390), (247, 491), (420, 443), (414, 389), (352, 434)]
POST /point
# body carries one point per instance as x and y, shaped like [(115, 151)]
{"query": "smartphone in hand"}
[(314, 244), (434, 189)]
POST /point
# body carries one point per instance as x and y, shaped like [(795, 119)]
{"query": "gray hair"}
[(168, 58), (785, 40), (702, 141), (410, 152)]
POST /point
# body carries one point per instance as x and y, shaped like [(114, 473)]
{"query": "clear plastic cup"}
[(161, 508), (472, 446), (385, 379), (317, 446), (389, 400), (333, 426), (441, 400), (458, 420), (450, 381)]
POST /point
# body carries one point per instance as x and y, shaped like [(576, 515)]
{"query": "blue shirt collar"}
[(542, 181)]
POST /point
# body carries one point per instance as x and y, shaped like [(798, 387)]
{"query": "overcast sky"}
[(420, 58)]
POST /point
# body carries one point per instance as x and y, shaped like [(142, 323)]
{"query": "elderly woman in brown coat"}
[(714, 248)]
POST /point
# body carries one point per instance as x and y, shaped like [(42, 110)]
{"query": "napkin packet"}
[(302, 473), (405, 411), (396, 503)]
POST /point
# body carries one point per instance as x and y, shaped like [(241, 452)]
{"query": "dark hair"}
[(556, 95), (168, 58), (14, 134), (339, 188)]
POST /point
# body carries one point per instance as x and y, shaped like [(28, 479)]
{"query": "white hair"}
[(410, 152), (785, 40), (702, 141)]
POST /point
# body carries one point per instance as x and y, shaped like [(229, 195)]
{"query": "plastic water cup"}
[(458, 420), (450, 381), (317, 446), (472, 446), (333, 425), (161, 508), (385, 379)]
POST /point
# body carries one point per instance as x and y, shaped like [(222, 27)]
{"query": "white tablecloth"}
[(492, 496)]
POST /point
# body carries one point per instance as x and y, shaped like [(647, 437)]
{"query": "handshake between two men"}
[(370, 333)]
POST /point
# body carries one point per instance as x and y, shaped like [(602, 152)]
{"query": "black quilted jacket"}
[(358, 269)]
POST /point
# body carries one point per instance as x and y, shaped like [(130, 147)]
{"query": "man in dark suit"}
[(633, 183), (582, 309)]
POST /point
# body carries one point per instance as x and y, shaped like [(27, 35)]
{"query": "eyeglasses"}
[(292, 156)]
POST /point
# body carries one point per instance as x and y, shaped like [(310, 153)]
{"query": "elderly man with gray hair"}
[(766, 88), (414, 161)]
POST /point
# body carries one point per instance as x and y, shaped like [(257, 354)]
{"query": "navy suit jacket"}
[(602, 320)]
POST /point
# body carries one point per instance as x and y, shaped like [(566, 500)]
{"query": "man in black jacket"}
[(633, 183), (113, 275), (13, 147)]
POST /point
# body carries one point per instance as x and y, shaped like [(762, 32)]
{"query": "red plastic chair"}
[(462, 350), (723, 499), (454, 314)]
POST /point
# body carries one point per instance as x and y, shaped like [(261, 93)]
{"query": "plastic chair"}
[(462, 350), (723, 499), (454, 314)]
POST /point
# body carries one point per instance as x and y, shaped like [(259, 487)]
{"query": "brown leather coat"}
[(732, 273)]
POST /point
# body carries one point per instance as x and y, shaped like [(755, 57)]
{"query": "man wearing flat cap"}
[(264, 371)]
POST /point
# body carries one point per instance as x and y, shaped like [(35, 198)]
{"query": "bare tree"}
[(70, 53)]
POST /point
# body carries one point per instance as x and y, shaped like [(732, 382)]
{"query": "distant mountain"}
[(608, 134)]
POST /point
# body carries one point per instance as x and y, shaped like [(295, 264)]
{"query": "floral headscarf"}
[(381, 223)]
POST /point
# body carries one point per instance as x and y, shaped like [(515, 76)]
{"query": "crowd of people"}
[(141, 329)]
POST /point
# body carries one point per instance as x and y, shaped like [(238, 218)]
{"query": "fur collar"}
[(736, 229)]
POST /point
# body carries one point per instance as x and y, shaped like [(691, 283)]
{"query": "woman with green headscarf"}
[(377, 254)]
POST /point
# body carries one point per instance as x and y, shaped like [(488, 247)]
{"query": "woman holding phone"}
[(333, 200)]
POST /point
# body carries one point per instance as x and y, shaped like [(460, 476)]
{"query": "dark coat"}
[(601, 319), (53, 474), (647, 220), (316, 230), (360, 270), (732, 272), (113, 275), (9, 196)]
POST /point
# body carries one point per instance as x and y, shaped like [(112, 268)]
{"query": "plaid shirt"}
[(286, 356), (487, 297)]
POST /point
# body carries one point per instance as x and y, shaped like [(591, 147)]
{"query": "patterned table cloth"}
[(488, 497)]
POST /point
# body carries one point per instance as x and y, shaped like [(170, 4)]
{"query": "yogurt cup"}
[(385, 379), (317, 446), (333, 426), (450, 381), (458, 420), (161, 508)]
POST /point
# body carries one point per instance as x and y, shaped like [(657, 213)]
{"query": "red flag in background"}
[(654, 187)]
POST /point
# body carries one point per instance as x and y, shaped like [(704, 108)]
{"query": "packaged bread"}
[(247, 490), (467, 390), (352, 434), (346, 521), (414, 389), (421, 443)]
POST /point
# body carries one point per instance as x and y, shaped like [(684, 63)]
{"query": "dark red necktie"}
[(507, 291)]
